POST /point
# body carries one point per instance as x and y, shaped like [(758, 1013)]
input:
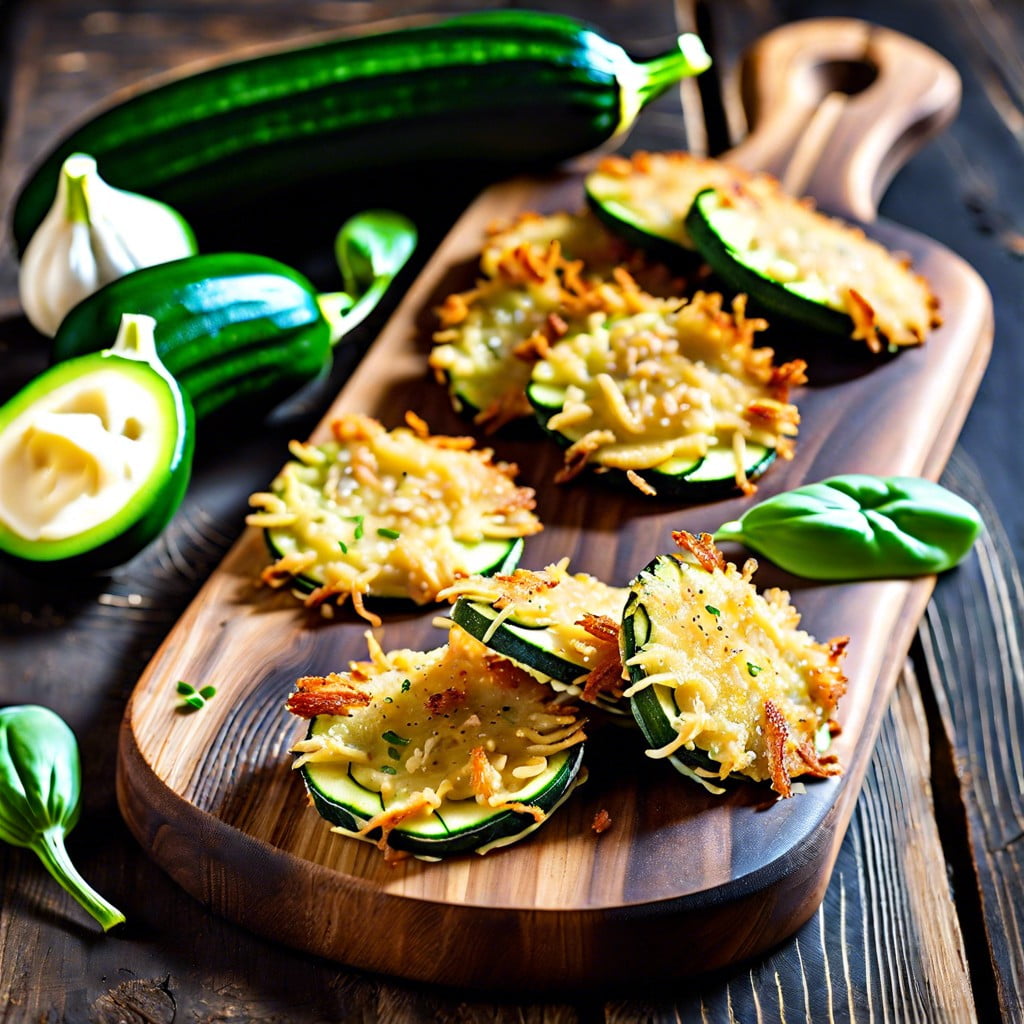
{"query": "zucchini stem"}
[(344, 319), (687, 60), (334, 306), (641, 83), (49, 847)]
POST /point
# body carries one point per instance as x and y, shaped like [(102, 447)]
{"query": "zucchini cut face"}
[(561, 627), (816, 270), (391, 514), (95, 457), (681, 403), (439, 753), (722, 681)]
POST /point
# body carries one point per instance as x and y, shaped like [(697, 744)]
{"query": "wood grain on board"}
[(737, 873)]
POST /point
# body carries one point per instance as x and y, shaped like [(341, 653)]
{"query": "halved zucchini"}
[(681, 403), (390, 514), (795, 262), (438, 753), (560, 627), (723, 683)]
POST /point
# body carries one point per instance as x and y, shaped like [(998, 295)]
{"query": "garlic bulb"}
[(92, 235)]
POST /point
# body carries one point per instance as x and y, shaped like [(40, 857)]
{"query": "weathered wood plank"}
[(973, 643)]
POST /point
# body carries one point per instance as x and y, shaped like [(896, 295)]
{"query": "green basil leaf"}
[(40, 797), (859, 526)]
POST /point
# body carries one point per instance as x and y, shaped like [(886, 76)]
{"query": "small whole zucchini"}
[(501, 89), (241, 329), (229, 326)]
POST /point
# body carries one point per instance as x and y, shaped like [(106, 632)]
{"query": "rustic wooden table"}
[(923, 919)]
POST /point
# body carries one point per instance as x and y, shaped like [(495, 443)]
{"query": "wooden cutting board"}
[(682, 881)]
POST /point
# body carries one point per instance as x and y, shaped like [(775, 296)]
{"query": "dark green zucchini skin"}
[(508, 89), (512, 647), (766, 294), (233, 328), (306, 584), (646, 709)]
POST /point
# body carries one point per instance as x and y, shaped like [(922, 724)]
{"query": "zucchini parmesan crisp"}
[(794, 261), (390, 513), (680, 401), (723, 680), (438, 753), (542, 277)]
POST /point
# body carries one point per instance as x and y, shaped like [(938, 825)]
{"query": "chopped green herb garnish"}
[(386, 531), (358, 520), (343, 546), (389, 700), (193, 699), (406, 683), (753, 669), (394, 754), (388, 770), (711, 609), (393, 737)]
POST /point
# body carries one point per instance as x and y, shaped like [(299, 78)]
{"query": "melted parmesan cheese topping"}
[(388, 513), (828, 261), (723, 653), (456, 723), (578, 236), (484, 348), (645, 390), (656, 190), (543, 275), (553, 599)]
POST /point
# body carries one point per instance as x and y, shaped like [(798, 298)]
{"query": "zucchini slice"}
[(561, 627), (393, 514), (682, 404), (439, 753), (723, 683), (796, 262), (644, 199)]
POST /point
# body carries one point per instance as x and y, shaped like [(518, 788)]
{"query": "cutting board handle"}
[(836, 106)]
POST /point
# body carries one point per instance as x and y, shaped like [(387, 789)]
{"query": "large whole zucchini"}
[(508, 88)]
